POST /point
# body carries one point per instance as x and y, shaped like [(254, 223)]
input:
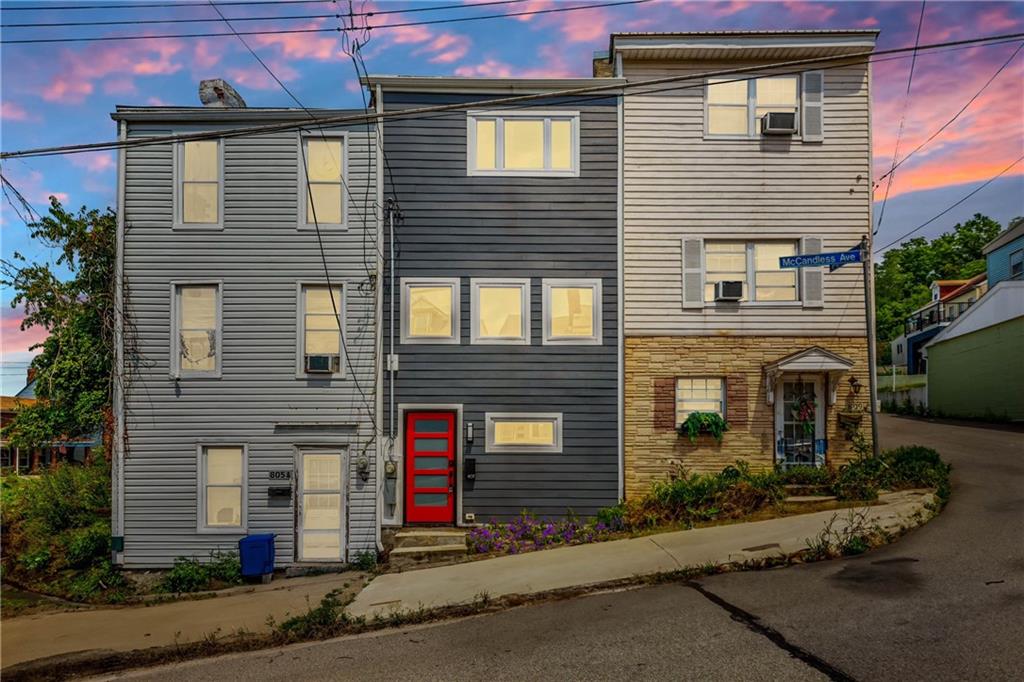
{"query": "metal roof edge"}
[(216, 114), (455, 84)]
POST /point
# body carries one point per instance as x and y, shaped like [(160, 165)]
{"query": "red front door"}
[(430, 467)]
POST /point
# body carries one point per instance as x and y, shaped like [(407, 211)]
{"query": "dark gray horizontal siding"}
[(460, 226)]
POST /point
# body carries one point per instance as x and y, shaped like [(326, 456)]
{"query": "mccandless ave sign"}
[(814, 260)]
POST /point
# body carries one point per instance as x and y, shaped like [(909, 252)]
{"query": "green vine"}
[(703, 422)]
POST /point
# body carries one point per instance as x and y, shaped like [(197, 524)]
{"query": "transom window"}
[(735, 108), (756, 264), (321, 323), (704, 394), (198, 184), (572, 311), (430, 310), (533, 143), (196, 342), (523, 432), (222, 488), (324, 198), (500, 310)]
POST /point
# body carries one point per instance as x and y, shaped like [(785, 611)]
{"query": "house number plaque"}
[(280, 475)]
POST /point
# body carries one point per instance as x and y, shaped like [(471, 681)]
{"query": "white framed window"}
[(523, 143), (756, 264), (500, 311), (223, 488), (699, 394), (1017, 264), (195, 329), (320, 323), (198, 195), (572, 311), (734, 108), (523, 432), (323, 161), (430, 310)]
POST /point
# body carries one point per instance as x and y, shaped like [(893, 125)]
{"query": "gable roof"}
[(813, 359), (1015, 230)]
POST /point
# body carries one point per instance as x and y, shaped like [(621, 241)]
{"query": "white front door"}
[(321, 502), (796, 442)]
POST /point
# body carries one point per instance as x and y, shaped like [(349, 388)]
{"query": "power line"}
[(954, 205), (130, 22), (903, 120), (853, 59), (152, 5), (957, 115), (27, 41)]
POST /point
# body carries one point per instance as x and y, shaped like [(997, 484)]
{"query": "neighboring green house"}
[(975, 365)]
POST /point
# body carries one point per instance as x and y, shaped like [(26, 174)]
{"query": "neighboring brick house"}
[(709, 197)]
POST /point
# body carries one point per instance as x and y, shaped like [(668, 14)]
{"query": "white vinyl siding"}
[(702, 394), (222, 480), (524, 143)]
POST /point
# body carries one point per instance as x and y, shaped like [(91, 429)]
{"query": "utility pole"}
[(869, 315)]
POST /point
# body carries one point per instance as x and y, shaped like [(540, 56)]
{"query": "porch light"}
[(855, 385)]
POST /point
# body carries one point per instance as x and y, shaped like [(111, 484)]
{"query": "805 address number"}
[(280, 475)]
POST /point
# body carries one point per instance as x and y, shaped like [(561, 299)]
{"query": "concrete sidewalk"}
[(28, 638), (604, 562)]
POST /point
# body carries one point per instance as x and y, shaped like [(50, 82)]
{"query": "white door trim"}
[(300, 491), (820, 398)]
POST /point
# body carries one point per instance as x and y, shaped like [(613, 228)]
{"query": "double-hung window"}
[(523, 143), (222, 488), (755, 264), (572, 311), (198, 186), (196, 329), (322, 181), (321, 320), (430, 310), (523, 432), (735, 107), (704, 394), (1017, 264), (500, 311)]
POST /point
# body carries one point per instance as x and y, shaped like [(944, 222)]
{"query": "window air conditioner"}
[(728, 291), (322, 364), (778, 123)]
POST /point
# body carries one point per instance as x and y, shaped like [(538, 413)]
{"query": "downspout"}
[(117, 441), (869, 284), (620, 302), (378, 318), (391, 324)]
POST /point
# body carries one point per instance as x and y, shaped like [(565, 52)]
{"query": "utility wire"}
[(957, 115), (903, 119), (27, 41), (954, 205), (151, 5), (129, 22), (618, 85)]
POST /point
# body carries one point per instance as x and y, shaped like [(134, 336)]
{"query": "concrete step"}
[(406, 557), (430, 537), (809, 499)]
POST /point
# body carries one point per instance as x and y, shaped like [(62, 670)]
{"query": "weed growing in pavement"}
[(365, 561), (853, 536), (189, 575)]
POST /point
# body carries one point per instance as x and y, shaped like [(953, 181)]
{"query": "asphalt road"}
[(946, 602)]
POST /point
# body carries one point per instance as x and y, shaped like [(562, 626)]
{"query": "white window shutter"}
[(813, 105), (812, 286), (693, 272)]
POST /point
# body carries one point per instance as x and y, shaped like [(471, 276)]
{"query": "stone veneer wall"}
[(653, 450)]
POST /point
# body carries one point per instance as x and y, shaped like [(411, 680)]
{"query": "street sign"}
[(815, 260)]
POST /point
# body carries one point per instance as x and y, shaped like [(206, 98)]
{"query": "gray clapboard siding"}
[(259, 256), (677, 184), (520, 227)]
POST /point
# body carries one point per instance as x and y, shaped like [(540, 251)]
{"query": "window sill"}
[(726, 305), (234, 530), (573, 342), (431, 342), (523, 173), (750, 138), (335, 227), (197, 227), (188, 377)]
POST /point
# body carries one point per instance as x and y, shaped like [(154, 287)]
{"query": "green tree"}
[(73, 369), (903, 276)]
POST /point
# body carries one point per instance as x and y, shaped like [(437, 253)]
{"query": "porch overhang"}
[(813, 360)]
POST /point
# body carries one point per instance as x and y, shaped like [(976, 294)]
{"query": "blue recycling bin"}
[(256, 553)]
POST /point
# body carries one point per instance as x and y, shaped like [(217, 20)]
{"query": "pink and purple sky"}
[(55, 94)]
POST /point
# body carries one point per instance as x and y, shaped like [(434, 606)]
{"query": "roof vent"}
[(217, 92)]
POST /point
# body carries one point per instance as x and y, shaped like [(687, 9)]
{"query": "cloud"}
[(309, 45), (12, 111), (14, 340), (445, 48), (490, 68), (120, 86), (256, 77), (96, 162), (78, 70)]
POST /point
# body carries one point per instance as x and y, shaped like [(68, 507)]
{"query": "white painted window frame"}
[(491, 417), (201, 486), (300, 491), (300, 329), (302, 199), (721, 399), (523, 284), (500, 116), (596, 339), (177, 195), (454, 283), (753, 126), (751, 273), (176, 371)]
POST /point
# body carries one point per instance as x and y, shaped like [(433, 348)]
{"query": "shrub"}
[(365, 561), (905, 467), (806, 475), (189, 575), (321, 621)]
